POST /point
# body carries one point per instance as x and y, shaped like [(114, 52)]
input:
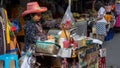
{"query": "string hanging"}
[(69, 5)]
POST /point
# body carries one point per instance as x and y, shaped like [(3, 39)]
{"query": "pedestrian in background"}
[(101, 22)]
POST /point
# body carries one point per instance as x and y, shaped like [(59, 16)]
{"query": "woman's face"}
[(36, 17)]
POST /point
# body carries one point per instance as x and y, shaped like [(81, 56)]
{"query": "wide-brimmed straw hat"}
[(33, 7)]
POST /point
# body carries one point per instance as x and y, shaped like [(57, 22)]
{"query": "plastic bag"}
[(68, 19), (27, 60), (25, 63)]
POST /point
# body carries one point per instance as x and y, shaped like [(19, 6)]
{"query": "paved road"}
[(113, 51)]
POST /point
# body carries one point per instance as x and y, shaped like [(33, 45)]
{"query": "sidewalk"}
[(113, 49)]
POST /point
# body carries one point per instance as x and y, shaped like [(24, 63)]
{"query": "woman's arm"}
[(50, 24), (100, 17)]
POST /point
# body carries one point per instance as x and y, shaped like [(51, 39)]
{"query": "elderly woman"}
[(33, 28), (34, 24)]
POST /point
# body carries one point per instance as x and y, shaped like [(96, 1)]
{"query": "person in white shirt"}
[(101, 24)]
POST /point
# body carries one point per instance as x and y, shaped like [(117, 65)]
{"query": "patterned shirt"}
[(33, 33), (29, 31)]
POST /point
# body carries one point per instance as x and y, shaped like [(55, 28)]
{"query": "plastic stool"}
[(7, 58)]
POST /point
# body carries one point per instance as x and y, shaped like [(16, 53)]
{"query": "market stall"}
[(70, 44)]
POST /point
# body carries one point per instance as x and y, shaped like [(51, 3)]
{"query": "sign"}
[(117, 8), (88, 58)]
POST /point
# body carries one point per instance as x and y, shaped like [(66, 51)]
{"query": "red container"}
[(75, 44), (66, 44)]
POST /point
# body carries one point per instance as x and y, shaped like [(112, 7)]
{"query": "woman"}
[(101, 23), (33, 28), (34, 24)]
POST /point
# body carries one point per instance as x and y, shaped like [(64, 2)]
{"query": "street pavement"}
[(113, 51)]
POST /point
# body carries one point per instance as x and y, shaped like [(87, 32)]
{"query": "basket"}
[(47, 47)]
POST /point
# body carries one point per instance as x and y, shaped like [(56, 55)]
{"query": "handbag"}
[(47, 47)]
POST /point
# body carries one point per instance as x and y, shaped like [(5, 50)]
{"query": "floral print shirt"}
[(33, 33)]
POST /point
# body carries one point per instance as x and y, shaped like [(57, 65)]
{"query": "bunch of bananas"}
[(76, 15)]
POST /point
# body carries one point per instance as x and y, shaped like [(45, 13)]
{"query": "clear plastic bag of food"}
[(68, 19)]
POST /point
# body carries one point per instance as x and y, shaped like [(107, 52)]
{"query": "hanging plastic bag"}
[(68, 19), (27, 60), (25, 63)]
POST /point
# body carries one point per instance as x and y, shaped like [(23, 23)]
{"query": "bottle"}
[(84, 41)]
